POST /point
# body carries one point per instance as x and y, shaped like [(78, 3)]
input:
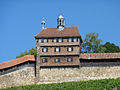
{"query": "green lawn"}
[(103, 84)]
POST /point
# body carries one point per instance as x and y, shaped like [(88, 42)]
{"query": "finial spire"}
[(60, 22), (60, 12), (43, 23)]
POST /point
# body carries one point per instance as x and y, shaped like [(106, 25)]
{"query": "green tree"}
[(111, 48), (21, 55), (100, 49), (91, 43), (108, 48), (32, 51)]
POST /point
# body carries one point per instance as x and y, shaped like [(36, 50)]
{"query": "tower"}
[(57, 47), (60, 22)]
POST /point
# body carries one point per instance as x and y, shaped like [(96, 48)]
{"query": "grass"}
[(103, 84)]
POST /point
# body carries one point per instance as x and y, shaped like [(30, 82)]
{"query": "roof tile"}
[(54, 32), (17, 61)]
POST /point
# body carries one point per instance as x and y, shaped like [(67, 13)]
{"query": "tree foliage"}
[(32, 51), (108, 48), (100, 49), (91, 43)]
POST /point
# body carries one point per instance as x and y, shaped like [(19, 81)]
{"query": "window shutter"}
[(72, 48), (55, 49)]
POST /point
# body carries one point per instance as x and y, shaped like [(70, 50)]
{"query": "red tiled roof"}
[(17, 61), (100, 55), (83, 56), (54, 32)]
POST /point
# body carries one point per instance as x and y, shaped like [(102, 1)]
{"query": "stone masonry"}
[(26, 76), (20, 77)]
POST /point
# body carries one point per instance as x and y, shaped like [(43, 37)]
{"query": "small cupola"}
[(43, 23), (60, 22)]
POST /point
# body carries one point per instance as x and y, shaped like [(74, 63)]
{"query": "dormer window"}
[(60, 40), (69, 39), (75, 39)]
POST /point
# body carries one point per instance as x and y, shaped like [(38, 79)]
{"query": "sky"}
[(20, 21)]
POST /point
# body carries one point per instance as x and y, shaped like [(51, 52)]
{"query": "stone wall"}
[(20, 77), (76, 74), (26, 75)]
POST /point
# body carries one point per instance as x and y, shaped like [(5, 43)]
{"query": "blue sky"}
[(20, 21)]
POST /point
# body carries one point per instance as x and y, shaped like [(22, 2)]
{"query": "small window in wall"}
[(45, 40), (57, 49), (55, 40), (60, 40), (44, 60), (44, 49), (69, 39), (69, 59), (57, 59), (75, 39), (70, 49), (40, 40)]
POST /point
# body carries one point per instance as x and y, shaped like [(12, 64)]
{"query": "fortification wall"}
[(77, 74), (20, 77), (26, 75)]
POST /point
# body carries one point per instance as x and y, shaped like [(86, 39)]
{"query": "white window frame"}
[(45, 40), (44, 60), (55, 40), (70, 49), (40, 40), (69, 59), (57, 59), (57, 49), (44, 49), (69, 39), (60, 40), (75, 39)]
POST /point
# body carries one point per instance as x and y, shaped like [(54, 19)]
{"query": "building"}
[(58, 46)]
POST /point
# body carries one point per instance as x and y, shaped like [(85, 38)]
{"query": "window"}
[(75, 39), (69, 59), (45, 40), (44, 49), (57, 59), (55, 40), (60, 40), (69, 39), (70, 49), (40, 40), (44, 60), (57, 49)]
